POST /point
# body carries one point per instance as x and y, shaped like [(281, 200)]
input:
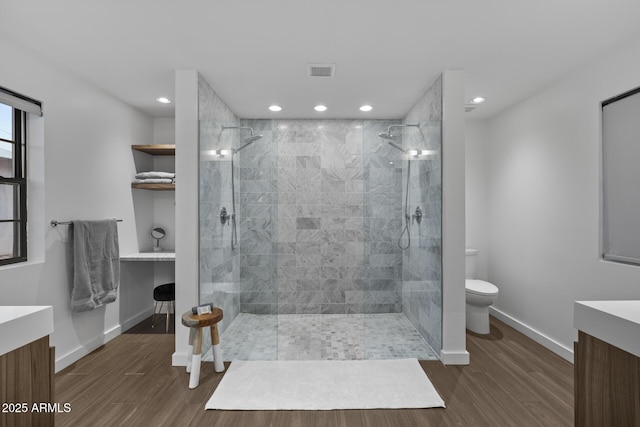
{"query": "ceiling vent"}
[(469, 107), (321, 70)]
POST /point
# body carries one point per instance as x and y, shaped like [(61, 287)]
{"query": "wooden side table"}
[(196, 323)]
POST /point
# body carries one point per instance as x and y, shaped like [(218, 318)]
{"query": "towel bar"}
[(55, 223)]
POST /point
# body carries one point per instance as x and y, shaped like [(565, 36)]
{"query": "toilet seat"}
[(480, 287)]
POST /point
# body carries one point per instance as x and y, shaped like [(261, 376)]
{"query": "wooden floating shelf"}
[(154, 187), (157, 149)]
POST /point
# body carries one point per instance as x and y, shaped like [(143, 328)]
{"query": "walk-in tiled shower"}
[(308, 241)]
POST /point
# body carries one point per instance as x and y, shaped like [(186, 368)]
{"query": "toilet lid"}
[(480, 287)]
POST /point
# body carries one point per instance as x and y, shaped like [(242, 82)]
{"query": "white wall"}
[(543, 189), (87, 175), (476, 203), (453, 227), (164, 202), (187, 212)]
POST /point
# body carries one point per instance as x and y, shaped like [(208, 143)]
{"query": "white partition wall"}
[(187, 280), (453, 219)]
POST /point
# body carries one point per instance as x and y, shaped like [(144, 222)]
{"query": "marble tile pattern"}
[(320, 215), (225, 295), (429, 106), (318, 207), (257, 184), (212, 108), (322, 337), (320, 211), (383, 200), (422, 263), (320, 229), (219, 265)]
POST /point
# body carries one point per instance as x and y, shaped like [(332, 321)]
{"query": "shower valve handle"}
[(417, 216), (224, 216)]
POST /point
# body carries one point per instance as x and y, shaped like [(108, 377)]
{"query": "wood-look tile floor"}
[(148, 327), (511, 381)]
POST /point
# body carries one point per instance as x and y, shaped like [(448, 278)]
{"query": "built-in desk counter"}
[(149, 256), (607, 363)]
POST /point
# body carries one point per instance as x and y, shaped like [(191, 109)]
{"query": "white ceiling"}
[(255, 52)]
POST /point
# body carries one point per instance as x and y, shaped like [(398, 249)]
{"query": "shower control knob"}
[(224, 216), (418, 215)]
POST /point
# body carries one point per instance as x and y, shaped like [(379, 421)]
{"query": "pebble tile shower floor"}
[(322, 337)]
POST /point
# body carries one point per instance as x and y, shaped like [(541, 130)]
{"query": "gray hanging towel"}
[(93, 263)]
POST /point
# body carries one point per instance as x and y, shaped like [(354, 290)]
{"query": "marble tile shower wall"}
[(383, 221), (219, 266), (319, 215), (320, 223), (422, 263), (257, 221)]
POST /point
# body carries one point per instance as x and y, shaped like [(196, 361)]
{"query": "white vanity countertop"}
[(20, 325), (614, 322), (149, 256)]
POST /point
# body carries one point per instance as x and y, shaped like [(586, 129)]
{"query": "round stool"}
[(196, 323)]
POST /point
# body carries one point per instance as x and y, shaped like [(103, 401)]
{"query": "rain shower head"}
[(251, 139), (387, 136), (248, 140), (396, 147), (391, 137), (242, 127)]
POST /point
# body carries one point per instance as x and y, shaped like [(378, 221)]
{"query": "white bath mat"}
[(324, 385)]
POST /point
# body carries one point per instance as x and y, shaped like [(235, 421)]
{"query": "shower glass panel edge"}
[(319, 208), (403, 246), (219, 265), (383, 199), (422, 263)]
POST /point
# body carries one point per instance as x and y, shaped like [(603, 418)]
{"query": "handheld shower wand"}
[(247, 141), (390, 138)]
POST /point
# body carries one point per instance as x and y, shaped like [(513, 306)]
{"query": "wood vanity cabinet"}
[(607, 384), (27, 378)]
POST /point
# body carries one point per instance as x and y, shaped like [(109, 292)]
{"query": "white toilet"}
[(479, 295)]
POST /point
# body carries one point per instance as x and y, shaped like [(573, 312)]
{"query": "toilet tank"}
[(471, 262)]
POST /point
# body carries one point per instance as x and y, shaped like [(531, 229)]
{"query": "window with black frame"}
[(620, 191), (13, 185)]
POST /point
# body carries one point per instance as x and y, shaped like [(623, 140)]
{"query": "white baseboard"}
[(535, 335), (112, 333), (454, 357), (134, 320), (179, 358), (81, 351), (78, 353)]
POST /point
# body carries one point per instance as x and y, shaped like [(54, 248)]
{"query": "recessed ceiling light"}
[(163, 100), (477, 100), (275, 108), (320, 108), (366, 108)]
